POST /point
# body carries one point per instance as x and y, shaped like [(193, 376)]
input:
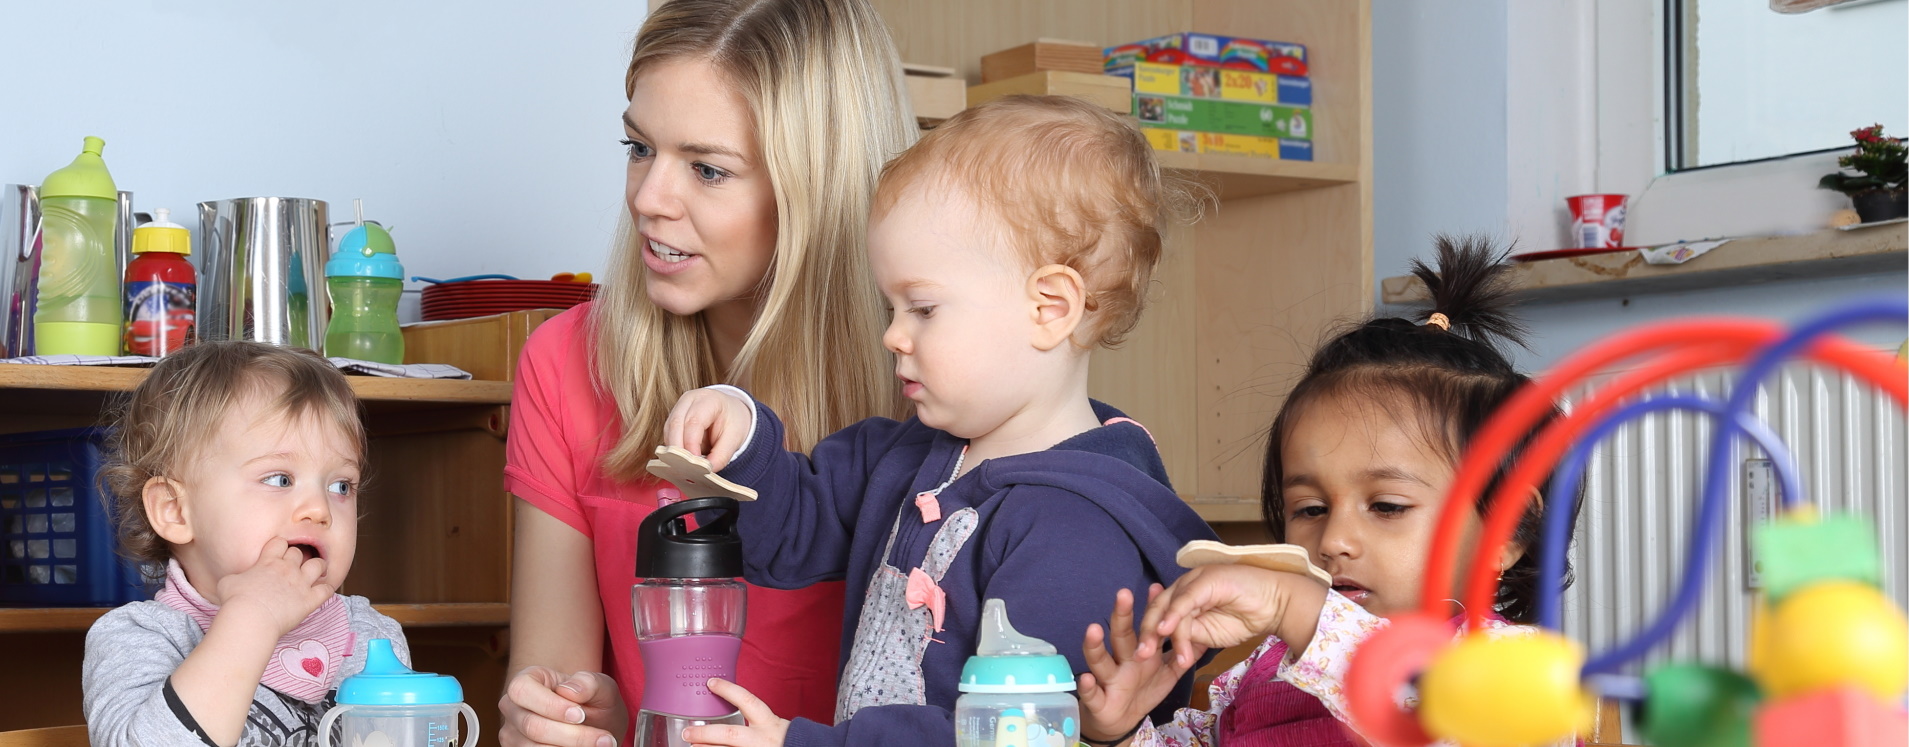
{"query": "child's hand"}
[(1218, 606), (1119, 690), (709, 424), (765, 728), (280, 590)]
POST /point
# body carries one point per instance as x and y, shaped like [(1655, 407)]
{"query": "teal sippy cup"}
[(388, 705), (1016, 691), (364, 280)]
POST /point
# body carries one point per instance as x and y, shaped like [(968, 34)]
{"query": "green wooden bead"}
[(1687, 705), (1796, 553)]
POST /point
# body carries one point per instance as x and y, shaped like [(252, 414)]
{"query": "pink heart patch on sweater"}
[(307, 662)]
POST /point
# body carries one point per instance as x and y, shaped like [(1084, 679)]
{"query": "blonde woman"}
[(756, 130)]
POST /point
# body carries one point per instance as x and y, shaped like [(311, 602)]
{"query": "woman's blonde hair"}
[(823, 83)]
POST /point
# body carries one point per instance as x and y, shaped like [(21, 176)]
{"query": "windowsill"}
[(1747, 261)]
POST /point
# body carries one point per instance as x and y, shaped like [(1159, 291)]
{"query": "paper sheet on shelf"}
[(348, 365), (1678, 253)]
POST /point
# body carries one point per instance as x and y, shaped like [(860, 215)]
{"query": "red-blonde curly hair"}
[(1075, 185)]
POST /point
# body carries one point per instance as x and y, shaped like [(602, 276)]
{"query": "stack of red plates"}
[(485, 297)]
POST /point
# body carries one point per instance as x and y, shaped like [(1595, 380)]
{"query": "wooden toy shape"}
[(1698, 706), (1842, 717), (1288, 558), (692, 475), (1796, 551)]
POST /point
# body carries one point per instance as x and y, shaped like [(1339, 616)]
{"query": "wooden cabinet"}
[(433, 543)]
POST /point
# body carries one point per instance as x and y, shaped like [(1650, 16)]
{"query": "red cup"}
[(1597, 221)]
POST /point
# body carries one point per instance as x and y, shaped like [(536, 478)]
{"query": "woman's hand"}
[(1121, 688), (765, 728), (709, 424), (1219, 606), (542, 707)]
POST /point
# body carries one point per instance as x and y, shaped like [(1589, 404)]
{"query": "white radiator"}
[(1641, 499)]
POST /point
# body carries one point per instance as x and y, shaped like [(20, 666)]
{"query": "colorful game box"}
[(1232, 53), (1188, 141), (1230, 117), (1198, 81)]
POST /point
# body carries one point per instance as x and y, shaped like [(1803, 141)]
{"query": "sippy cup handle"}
[(470, 736), (331, 718)]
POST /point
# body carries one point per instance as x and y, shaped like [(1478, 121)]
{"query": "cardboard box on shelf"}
[(1230, 117), (934, 92), (1188, 141), (1196, 81), (1043, 54), (1114, 93), (1256, 55)]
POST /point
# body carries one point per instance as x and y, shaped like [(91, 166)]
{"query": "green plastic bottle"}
[(364, 278), (78, 311)]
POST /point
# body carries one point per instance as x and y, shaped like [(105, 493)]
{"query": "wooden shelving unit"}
[(1227, 512), (433, 541), (1235, 177), (1747, 261)]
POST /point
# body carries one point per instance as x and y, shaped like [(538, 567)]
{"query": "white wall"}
[(1438, 124), (483, 132), (1448, 157)]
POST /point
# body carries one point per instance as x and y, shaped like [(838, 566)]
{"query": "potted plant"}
[(1877, 187)]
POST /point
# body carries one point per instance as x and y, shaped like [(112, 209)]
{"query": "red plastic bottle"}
[(161, 289)]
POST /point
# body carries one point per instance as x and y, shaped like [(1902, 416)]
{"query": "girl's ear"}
[(166, 510), (1060, 305), (1515, 550)]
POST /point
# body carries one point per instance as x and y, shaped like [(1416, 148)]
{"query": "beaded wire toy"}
[(1829, 653)]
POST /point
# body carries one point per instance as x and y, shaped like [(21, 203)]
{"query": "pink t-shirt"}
[(560, 428)]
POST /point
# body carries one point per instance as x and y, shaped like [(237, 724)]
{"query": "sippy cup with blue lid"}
[(1016, 690), (388, 705), (365, 281)]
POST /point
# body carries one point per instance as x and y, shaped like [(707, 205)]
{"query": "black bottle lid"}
[(667, 548)]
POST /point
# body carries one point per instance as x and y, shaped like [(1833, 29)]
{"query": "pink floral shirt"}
[(1319, 671)]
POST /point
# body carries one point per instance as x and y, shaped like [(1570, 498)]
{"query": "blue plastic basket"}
[(57, 545)]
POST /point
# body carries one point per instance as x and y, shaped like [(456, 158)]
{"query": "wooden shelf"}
[(1831, 253), (1222, 512), (369, 388), (55, 619), (37, 397), (1233, 177)]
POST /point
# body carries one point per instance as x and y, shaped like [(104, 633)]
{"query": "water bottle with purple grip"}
[(689, 613)]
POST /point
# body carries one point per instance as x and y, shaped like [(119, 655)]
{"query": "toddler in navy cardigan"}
[(1011, 241)]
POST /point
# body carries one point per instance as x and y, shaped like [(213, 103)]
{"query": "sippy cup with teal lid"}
[(364, 280), (388, 705), (1016, 690)]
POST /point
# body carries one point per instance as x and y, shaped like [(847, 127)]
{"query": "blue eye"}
[(638, 149), (278, 481), (342, 487), (709, 173)]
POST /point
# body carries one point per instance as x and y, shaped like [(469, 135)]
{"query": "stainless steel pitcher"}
[(262, 270)]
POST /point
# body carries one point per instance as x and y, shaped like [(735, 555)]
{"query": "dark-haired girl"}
[(1357, 466)]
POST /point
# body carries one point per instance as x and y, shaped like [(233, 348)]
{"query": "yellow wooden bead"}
[(1508, 691), (1835, 633)]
